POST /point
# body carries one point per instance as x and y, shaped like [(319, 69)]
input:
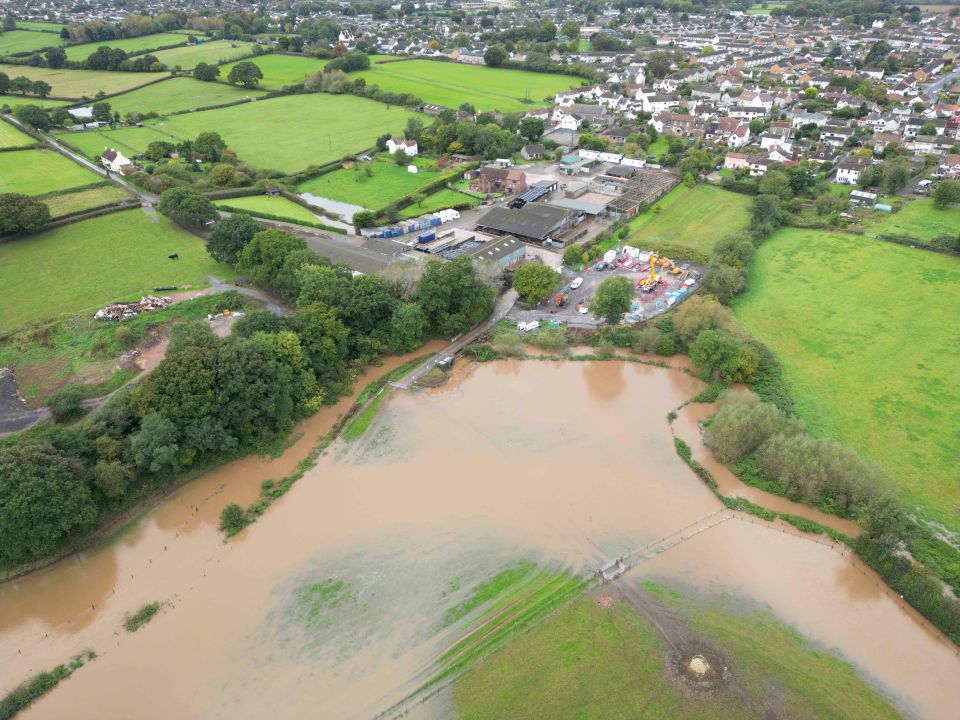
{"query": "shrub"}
[(646, 340), (66, 404), (233, 519)]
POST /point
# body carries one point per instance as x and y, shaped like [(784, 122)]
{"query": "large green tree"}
[(231, 235), (44, 498), (246, 74), (452, 298), (534, 281), (21, 214), (613, 298), (187, 206)]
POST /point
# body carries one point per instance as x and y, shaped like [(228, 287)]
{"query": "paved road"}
[(932, 91), (500, 309)]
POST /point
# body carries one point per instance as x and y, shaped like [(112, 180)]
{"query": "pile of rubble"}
[(122, 311)]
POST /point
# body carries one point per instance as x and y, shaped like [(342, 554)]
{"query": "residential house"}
[(493, 179), (408, 146), (114, 160)]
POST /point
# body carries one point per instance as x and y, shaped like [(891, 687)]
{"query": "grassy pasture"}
[(590, 661), (440, 200), (387, 183), (81, 83), (12, 137), (279, 206), (14, 101), (213, 52), (918, 219), (281, 70), (451, 84), (35, 172), (66, 203), (286, 133), (85, 265), (128, 45), (39, 26), (694, 218), (16, 41), (867, 334), (180, 93)]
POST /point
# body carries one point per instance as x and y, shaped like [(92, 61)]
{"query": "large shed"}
[(534, 222)]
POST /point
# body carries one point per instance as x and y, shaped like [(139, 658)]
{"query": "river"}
[(562, 463)]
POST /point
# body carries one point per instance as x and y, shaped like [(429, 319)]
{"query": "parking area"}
[(574, 302)]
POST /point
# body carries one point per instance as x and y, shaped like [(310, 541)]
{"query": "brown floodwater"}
[(331, 605)]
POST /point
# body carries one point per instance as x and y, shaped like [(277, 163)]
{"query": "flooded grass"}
[(141, 617), (599, 658)]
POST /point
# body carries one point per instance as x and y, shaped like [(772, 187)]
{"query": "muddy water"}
[(560, 463), (80, 602)]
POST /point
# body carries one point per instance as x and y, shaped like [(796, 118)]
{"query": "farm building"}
[(533, 223), (505, 251)]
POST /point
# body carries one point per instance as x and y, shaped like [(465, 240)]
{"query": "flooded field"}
[(338, 601)]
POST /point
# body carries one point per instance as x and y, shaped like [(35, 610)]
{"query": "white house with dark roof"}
[(114, 160)]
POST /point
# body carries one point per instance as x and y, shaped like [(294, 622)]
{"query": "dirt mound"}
[(704, 670)]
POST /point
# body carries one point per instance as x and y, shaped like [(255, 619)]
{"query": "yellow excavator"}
[(653, 280)]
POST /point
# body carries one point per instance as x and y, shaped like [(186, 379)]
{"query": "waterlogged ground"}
[(455, 507)]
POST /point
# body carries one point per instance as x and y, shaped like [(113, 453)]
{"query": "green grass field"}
[(65, 203), (440, 200), (12, 137), (867, 333), (759, 8), (35, 172), (692, 218), (41, 26), (82, 83), (918, 219), (286, 133), (128, 45), (387, 183), (451, 84), (16, 41), (280, 70), (180, 93), (279, 206), (14, 101), (213, 52), (590, 661), (85, 265)]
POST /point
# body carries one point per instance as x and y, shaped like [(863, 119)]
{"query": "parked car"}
[(577, 282)]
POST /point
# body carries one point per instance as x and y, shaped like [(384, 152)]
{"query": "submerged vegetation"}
[(40, 684), (141, 617)]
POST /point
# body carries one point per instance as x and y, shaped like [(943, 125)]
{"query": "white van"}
[(577, 282)]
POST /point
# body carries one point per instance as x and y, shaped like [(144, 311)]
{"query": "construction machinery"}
[(651, 282)]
